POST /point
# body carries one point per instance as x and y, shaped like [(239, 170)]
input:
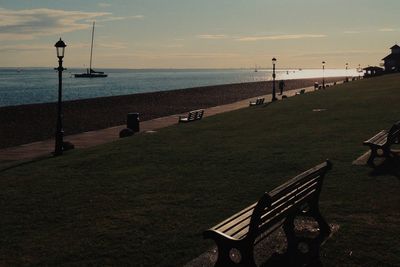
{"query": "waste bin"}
[(132, 122)]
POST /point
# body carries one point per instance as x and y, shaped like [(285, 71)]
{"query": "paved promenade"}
[(93, 138)]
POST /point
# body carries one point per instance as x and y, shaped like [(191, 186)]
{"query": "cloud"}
[(174, 45), (211, 36), (135, 17), (24, 47), (351, 32), (337, 53), (153, 55), (14, 37), (104, 5), (371, 31), (36, 47), (114, 18), (113, 45), (279, 37), (387, 30), (29, 24)]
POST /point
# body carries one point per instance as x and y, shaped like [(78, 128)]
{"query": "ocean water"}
[(40, 85)]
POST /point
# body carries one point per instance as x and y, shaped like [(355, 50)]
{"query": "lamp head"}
[(60, 47)]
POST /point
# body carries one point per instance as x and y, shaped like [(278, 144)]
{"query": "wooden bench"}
[(383, 141), (192, 116), (259, 101), (238, 234), (302, 91)]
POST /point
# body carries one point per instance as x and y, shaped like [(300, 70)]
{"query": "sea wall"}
[(29, 123)]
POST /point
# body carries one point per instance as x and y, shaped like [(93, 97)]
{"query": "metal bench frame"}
[(383, 141), (280, 207), (192, 116), (259, 101)]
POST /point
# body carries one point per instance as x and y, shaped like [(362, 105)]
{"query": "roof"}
[(395, 57), (373, 68), (395, 46)]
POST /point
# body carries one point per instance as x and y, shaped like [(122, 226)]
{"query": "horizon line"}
[(164, 68)]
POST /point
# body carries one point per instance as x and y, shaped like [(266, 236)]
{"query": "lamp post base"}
[(58, 150)]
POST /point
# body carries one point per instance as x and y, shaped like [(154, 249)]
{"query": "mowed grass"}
[(145, 200)]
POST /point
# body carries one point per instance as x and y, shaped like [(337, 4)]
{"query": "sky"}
[(199, 33)]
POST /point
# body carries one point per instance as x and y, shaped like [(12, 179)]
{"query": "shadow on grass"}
[(309, 258), (15, 164), (390, 166), (267, 104), (307, 252)]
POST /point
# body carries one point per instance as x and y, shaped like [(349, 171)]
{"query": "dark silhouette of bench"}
[(241, 232), (302, 91), (383, 141), (192, 116), (259, 101)]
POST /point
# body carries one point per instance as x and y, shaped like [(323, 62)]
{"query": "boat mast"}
[(91, 50)]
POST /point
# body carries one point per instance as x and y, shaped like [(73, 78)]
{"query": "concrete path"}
[(93, 138)]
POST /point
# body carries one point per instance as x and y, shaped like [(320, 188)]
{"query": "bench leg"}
[(324, 227), (387, 153), (292, 240), (223, 257), (246, 256), (374, 153)]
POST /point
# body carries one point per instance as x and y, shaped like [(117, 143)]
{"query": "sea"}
[(19, 86)]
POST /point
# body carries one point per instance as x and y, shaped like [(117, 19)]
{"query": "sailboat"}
[(255, 68), (90, 73)]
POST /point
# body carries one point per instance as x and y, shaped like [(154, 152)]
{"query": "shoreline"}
[(35, 122)]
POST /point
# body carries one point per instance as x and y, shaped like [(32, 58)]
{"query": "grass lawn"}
[(145, 200)]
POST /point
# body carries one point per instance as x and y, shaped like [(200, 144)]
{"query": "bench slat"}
[(279, 219), (282, 213), (237, 225), (238, 228), (274, 214), (192, 116), (376, 138), (258, 101), (317, 171), (289, 198), (274, 218), (231, 220)]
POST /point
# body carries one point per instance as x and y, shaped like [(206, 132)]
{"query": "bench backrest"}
[(394, 133), (199, 114), (192, 115), (290, 197)]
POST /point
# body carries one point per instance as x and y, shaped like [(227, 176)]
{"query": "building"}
[(372, 71), (392, 61)]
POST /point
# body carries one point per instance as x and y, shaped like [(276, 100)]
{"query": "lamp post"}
[(60, 47), (347, 67), (323, 74), (273, 80)]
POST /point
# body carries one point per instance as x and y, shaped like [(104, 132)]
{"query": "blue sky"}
[(199, 34)]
